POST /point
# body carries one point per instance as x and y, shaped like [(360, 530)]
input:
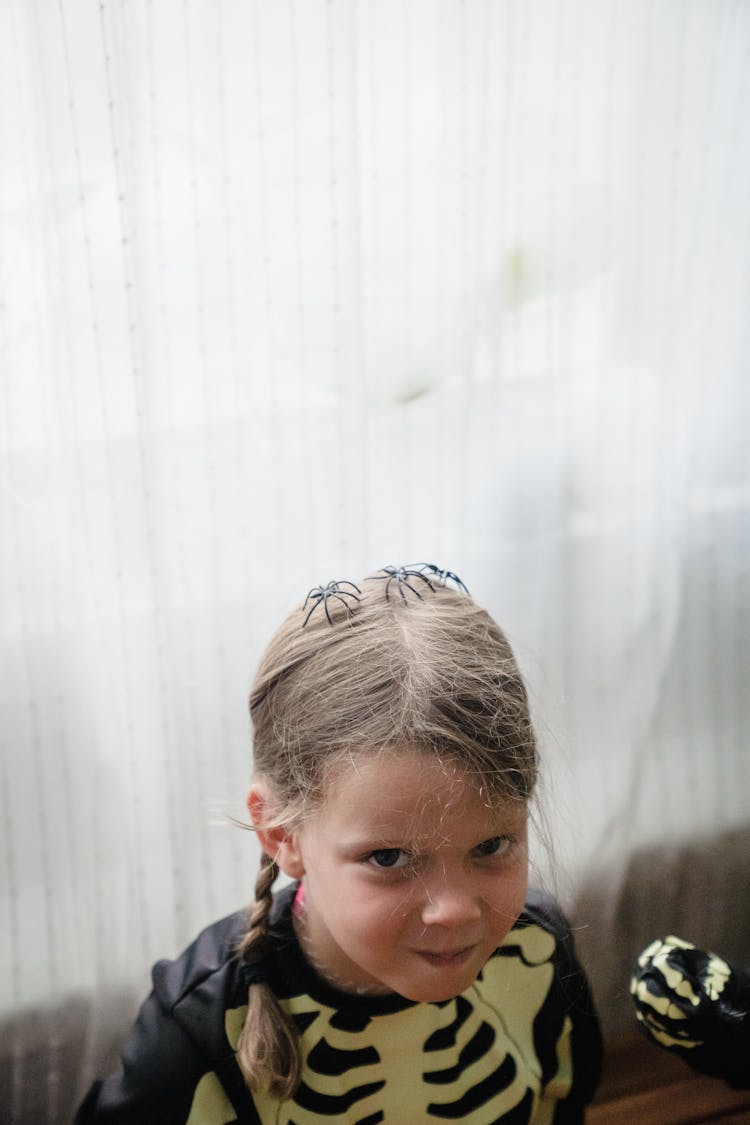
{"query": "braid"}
[(268, 1049), (254, 941)]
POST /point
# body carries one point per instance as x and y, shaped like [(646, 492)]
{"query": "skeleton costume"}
[(522, 1044)]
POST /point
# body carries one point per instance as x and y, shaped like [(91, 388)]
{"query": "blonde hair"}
[(388, 670)]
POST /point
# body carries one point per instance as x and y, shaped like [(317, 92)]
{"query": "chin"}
[(435, 993)]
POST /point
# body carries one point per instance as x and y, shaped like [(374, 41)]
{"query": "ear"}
[(277, 842)]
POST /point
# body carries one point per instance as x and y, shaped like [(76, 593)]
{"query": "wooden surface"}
[(644, 1085)]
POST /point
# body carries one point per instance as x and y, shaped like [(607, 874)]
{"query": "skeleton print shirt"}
[(522, 1044)]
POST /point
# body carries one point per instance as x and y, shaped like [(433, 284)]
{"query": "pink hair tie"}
[(298, 906)]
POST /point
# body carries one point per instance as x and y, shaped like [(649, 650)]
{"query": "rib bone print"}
[(365, 1069)]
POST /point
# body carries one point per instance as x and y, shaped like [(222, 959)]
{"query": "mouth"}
[(450, 959)]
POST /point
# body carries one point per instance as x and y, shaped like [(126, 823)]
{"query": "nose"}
[(451, 900)]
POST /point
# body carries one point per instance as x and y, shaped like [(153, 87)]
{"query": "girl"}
[(403, 976)]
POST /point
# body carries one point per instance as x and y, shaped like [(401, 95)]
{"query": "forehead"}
[(409, 791)]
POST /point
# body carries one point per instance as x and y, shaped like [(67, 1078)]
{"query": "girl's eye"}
[(496, 845), (388, 858)]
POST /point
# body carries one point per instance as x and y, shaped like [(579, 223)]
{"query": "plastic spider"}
[(321, 595), (401, 575), (444, 576)]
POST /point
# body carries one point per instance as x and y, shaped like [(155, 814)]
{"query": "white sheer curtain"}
[(289, 291)]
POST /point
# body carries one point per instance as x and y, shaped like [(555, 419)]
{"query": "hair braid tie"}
[(254, 972)]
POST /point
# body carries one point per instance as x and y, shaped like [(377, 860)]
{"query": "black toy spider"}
[(320, 595), (445, 576), (401, 575)]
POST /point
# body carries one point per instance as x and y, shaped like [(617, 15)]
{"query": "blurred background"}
[(293, 290)]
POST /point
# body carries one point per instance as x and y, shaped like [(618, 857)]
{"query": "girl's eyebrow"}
[(372, 842), (375, 841)]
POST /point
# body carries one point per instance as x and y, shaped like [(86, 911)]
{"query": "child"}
[(403, 976)]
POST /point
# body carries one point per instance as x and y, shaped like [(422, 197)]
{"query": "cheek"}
[(377, 909), (509, 896)]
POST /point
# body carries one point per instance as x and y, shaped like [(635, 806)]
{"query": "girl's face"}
[(411, 881)]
